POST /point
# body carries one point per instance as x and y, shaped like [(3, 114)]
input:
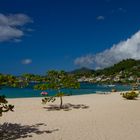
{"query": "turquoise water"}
[(85, 88)]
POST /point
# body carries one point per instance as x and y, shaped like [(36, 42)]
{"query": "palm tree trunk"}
[(61, 102)]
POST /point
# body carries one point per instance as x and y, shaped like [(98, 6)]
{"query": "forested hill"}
[(129, 66), (83, 72)]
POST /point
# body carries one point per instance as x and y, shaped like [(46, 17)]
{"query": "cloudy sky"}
[(36, 36)]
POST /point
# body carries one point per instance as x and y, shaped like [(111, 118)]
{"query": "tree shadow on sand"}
[(10, 131), (66, 107)]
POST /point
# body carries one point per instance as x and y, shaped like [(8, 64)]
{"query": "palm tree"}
[(58, 80)]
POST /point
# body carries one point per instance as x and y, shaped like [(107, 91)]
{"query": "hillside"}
[(126, 71), (83, 72), (129, 65)]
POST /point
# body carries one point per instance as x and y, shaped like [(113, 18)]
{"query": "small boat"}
[(111, 85)]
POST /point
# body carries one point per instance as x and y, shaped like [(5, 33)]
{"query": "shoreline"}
[(100, 93)]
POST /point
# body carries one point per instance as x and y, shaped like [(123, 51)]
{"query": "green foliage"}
[(82, 72), (12, 81), (32, 77), (41, 87), (48, 99), (125, 65), (130, 95), (60, 94), (4, 106), (58, 80)]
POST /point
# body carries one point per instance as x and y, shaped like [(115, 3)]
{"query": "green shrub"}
[(130, 95), (4, 106)]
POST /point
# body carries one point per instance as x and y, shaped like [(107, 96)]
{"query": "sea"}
[(85, 88)]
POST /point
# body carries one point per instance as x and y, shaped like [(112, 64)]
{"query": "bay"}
[(85, 88)]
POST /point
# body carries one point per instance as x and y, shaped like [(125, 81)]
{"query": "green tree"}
[(40, 87), (32, 77), (58, 80), (4, 106)]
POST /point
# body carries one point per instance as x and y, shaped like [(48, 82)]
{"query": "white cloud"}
[(100, 18), (123, 50), (26, 61), (85, 61), (10, 26)]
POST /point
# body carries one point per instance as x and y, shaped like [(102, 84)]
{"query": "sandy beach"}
[(86, 117)]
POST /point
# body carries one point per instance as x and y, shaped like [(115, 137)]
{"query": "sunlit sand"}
[(84, 117)]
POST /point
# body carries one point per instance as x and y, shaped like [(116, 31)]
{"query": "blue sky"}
[(38, 35)]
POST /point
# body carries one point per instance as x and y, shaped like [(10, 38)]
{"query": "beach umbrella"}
[(44, 93)]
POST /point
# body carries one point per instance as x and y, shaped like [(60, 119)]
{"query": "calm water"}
[(85, 88)]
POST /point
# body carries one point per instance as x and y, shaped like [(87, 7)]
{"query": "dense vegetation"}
[(12, 81), (130, 66), (33, 77), (82, 72), (130, 95), (126, 72)]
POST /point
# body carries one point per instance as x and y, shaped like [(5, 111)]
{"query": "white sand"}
[(109, 117)]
